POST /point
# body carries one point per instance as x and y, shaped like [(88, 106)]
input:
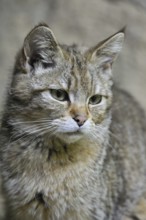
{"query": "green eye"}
[(96, 99), (59, 94)]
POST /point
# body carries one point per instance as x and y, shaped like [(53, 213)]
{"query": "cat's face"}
[(63, 91)]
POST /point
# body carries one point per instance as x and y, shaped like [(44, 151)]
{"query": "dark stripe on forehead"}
[(81, 79), (74, 72), (79, 62), (85, 77)]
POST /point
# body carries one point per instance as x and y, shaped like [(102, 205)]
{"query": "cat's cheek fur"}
[(21, 88), (99, 113)]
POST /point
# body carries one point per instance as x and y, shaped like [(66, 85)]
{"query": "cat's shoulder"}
[(124, 98), (126, 108)]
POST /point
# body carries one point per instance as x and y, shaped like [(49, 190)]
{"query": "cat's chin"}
[(71, 137)]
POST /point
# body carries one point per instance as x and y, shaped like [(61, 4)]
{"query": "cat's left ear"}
[(107, 50)]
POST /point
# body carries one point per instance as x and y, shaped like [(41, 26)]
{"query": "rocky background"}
[(79, 21)]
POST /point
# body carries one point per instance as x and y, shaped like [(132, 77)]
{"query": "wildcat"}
[(72, 144)]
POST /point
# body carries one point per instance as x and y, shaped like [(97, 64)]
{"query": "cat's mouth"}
[(77, 132), (71, 136)]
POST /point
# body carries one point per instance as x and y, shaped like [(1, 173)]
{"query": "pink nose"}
[(80, 119)]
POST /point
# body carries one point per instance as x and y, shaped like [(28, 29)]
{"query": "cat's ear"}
[(40, 46), (107, 50)]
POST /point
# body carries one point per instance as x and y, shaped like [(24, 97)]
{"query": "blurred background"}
[(79, 21)]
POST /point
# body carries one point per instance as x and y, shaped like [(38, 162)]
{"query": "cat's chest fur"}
[(57, 182)]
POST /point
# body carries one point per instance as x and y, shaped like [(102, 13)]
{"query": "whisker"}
[(31, 135), (28, 122), (113, 135), (40, 129)]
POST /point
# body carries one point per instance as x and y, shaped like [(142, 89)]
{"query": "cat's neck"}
[(85, 152)]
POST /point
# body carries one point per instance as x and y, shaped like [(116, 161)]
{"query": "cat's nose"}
[(80, 119)]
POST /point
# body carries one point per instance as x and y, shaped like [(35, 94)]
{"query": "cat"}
[(72, 144)]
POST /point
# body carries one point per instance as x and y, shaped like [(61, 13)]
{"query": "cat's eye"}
[(59, 94), (95, 99)]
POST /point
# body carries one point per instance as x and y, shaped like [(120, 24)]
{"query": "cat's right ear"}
[(40, 47)]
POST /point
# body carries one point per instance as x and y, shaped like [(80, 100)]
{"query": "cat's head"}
[(63, 91)]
